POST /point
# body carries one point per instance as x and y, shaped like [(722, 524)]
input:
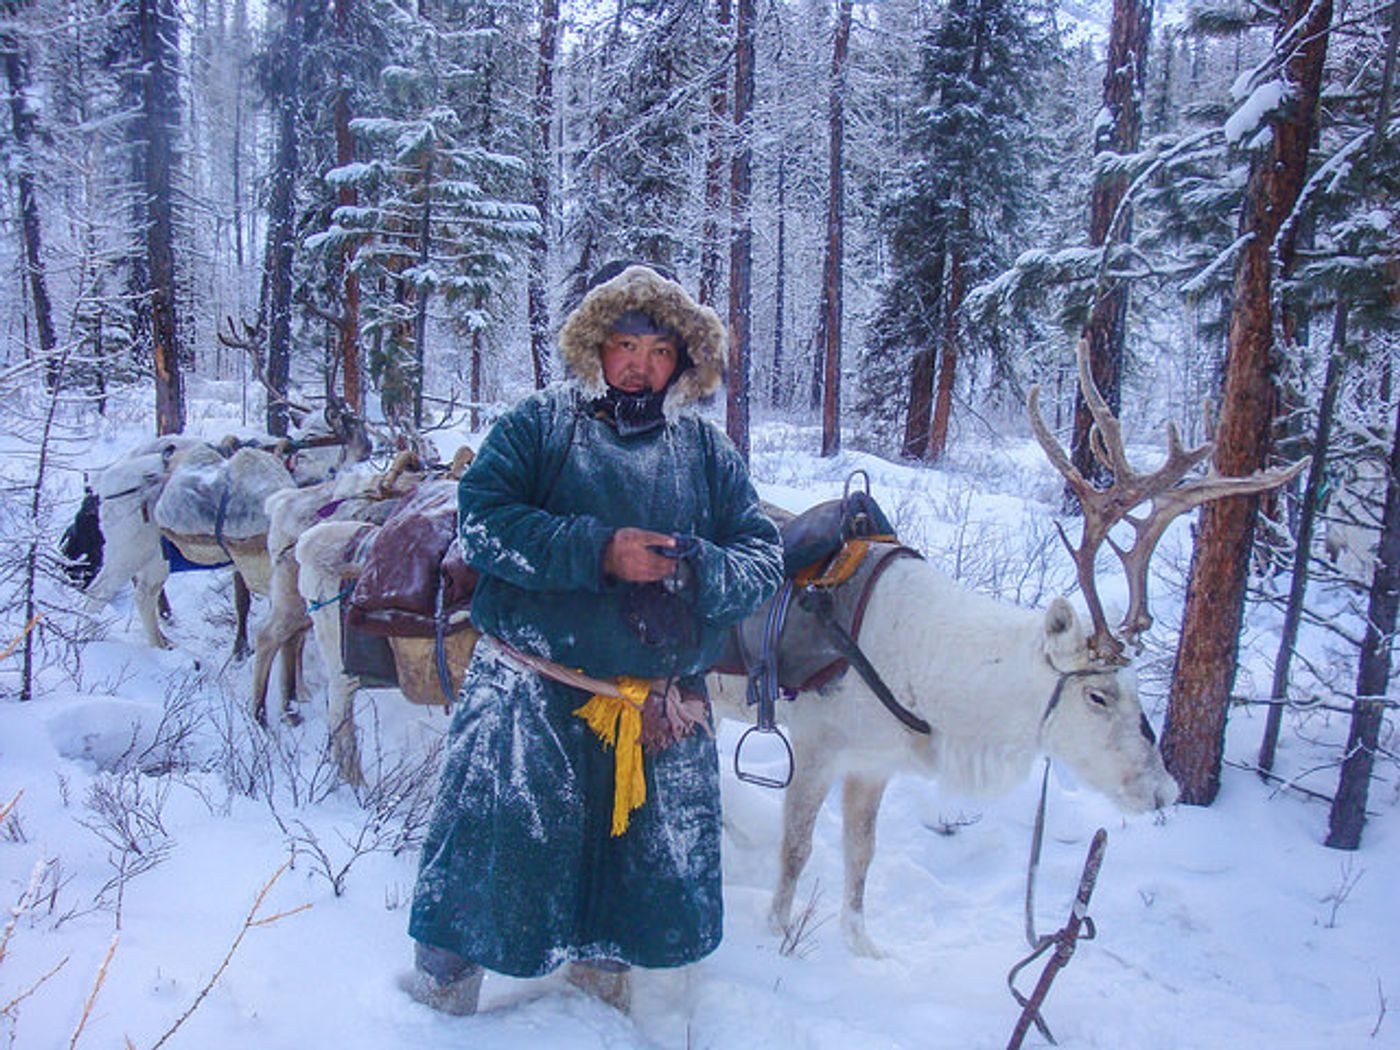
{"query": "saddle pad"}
[(412, 554), (806, 658)]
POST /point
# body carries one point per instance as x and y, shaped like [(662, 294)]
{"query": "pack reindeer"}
[(317, 539), (995, 685), (207, 501)]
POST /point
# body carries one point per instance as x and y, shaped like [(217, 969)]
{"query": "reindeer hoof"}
[(858, 941), (292, 716)]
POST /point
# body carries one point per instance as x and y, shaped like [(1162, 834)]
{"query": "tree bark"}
[(1193, 741), (741, 231), (348, 331), (538, 298), (160, 30), (1348, 814), (779, 377), (779, 383), (714, 167), (835, 220), (919, 410), (948, 361), (23, 124), (420, 306), (281, 234), (1123, 84)]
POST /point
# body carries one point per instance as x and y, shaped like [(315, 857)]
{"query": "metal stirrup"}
[(763, 693)]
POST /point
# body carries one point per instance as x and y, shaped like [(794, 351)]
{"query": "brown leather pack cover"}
[(414, 554)]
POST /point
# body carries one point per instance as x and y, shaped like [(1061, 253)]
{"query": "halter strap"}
[(1061, 678)]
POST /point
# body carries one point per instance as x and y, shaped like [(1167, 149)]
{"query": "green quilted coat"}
[(519, 871)]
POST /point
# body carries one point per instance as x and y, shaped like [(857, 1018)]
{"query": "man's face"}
[(634, 363)]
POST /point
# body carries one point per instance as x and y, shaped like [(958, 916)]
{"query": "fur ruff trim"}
[(642, 288)]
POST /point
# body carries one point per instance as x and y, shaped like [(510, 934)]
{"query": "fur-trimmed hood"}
[(642, 288)]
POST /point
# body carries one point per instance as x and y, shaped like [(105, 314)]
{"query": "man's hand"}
[(629, 556)]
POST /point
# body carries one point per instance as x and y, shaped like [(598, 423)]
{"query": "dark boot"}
[(444, 980), (607, 980)]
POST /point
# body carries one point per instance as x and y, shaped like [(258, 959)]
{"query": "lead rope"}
[(1037, 837)]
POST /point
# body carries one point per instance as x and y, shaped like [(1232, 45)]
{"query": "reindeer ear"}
[(1063, 635)]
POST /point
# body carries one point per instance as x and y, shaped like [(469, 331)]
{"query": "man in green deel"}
[(618, 538)]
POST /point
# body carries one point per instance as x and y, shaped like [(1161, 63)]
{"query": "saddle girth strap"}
[(819, 603)]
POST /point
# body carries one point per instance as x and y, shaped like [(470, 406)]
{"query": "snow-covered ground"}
[(147, 856)]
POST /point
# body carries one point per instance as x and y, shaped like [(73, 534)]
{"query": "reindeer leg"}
[(340, 697), (242, 602), (860, 806), (149, 584), (291, 674), (286, 617), (812, 775)]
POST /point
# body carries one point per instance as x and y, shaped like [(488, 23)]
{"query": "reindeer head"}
[(1166, 489)]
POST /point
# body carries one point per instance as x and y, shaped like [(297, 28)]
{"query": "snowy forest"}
[(221, 216)]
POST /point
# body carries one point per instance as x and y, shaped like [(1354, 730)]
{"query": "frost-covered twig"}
[(8, 806), (97, 983), (1349, 878), (250, 922), (798, 935)]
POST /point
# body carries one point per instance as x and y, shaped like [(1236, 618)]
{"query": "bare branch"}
[(250, 342)]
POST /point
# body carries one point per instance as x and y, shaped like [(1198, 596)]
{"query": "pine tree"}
[(971, 152), (443, 206)]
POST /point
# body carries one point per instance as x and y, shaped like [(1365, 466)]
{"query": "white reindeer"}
[(136, 510), (996, 684), (350, 501), (128, 491), (352, 496), (329, 556)]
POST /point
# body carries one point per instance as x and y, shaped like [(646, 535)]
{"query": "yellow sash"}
[(618, 723)]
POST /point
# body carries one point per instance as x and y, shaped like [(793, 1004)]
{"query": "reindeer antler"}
[(1166, 489), (250, 342)]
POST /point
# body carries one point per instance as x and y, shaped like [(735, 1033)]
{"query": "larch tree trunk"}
[(779, 377), (779, 383), (741, 231), (1118, 131), (23, 124), (421, 295), (160, 50), (830, 327), (543, 112), (715, 140), (1348, 814), (919, 410), (348, 330), (947, 361), (281, 233), (1194, 737)]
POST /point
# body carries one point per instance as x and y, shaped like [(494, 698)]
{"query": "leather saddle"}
[(840, 547)]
